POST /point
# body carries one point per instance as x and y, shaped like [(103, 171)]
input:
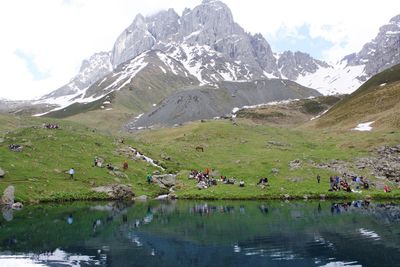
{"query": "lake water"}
[(202, 233)]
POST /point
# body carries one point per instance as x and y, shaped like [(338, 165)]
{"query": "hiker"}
[(318, 178), (241, 183), (125, 165), (366, 184), (149, 178), (71, 173)]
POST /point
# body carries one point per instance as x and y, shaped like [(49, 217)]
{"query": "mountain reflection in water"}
[(202, 233)]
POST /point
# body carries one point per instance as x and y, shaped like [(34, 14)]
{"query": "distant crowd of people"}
[(51, 126), (338, 183), (207, 179)]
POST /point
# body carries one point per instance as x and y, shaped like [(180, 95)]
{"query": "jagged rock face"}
[(382, 52), (264, 55), (92, 69), (133, 41), (164, 24), (210, 24), (292, 64)]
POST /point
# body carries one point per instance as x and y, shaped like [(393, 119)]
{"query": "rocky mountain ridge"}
[(206, 44)]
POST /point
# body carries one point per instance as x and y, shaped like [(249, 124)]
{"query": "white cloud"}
[(59, 34)]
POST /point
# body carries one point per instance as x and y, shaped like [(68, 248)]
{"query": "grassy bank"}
[(246, 151)]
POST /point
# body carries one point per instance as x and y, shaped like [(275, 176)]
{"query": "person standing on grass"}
[(71, 173), (318, 178), (149, 178)]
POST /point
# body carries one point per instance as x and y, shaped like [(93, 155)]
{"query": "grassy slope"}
[(38, 171), (291, 114), (242, 151), (376, 100)]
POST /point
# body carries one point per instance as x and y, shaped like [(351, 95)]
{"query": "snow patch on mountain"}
[(337, 79)]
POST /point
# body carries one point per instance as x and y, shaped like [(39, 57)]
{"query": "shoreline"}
[(372, 197)]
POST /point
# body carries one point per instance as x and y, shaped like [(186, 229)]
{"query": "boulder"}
[(8, 196), (17, 206), (295, 164), (116, 191), (164, 180), (162, 197), (2, 173)]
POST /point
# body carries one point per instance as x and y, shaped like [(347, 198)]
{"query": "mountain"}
[(375, 102), (353, 70), (208, 102), (165, 53), (206, 42)]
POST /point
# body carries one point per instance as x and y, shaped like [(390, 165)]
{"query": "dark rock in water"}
[(8, 196), (17, 206), (116, 191), (2, 173), (7, 213), (164, 180)]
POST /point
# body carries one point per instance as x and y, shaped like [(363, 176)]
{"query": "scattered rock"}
[(275, 170), (164, 180), (322, 196), (286, 196), (2, 173), (1, 140), (141, 198), (8, 196), (276, 143), (295, 164), (116, 191), (118, 174), (295, 179), (165, 157), (337, 166), (172, 196)]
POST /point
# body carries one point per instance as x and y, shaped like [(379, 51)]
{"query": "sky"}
[(43, 42)]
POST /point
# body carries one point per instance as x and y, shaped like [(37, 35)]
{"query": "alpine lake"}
[(202, 233)]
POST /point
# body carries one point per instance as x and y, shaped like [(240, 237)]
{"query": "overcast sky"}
[(43, 42)]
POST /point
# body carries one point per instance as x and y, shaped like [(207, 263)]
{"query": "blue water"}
[(202, 233)]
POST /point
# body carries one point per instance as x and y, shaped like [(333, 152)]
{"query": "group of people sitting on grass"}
[(15, 147), (207, 179), (341, 183), (50, 126)]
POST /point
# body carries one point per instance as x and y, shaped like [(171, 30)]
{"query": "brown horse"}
[(200, 148)]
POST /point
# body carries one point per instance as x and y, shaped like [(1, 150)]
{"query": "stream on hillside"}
[(202, 233)]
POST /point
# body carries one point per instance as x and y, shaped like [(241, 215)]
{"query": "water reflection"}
[(199, 233)]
